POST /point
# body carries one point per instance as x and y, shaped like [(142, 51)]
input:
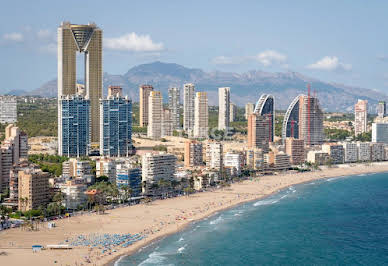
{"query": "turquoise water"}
[(328, 222)]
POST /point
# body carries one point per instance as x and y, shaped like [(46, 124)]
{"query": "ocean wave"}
[(216, 221), (181, 249), (181, 239), (265, 202), (154, 258)]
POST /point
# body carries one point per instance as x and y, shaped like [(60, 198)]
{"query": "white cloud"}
[(133, 42), (43, 34), (270, 57), (14, 36), (50, 48), (266, 58), (330, 63)]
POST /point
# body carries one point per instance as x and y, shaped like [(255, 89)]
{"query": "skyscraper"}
[(167, 124), (193, 153), (265, 106), (249, 109), (201, 116), (310, 120), (223, 108), (73, 133), (360, 117), (188, 107), (214, 155), (381, 109), (290, 127), (155, 115), (116, 125), (259, 132), (174, 106), (380, 132), (85, 39), (8, 109), (233, 112), (144, 93)]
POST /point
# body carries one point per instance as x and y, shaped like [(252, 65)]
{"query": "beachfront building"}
[(78, 169), (174, 107), (318, 157), (249, 107), (290, 127), (265, 107), (128, 179), (193, 153), (295, 149), (8, 109), (233, 112), (259, 131), (276, 161), (223, 108), (144, 94), (74, 194), (335, 151), (214, 155), (106, 167), (14, 179), (360, 117), (351, 152), (116, 125), (33, 188), (201, 116), (254, 158), (377, 152), (310, 121), (73, 126), (87, 40), (380, 132), (188, 108), (364, 151), (155, 115), (381, 109), (234, 160), (156, 167)]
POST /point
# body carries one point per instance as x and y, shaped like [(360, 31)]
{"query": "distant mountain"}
[(245, 87)]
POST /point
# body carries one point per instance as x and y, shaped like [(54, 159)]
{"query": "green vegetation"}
[(337, 134), (278, 125), (367, 136), (39, 118), (139, 130), (159, 148), (49, 163)]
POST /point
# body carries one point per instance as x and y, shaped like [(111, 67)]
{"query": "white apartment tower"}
[(86, 39), (156, 167), (233, 112), (201, 116), (249, 107), (174, 106), (188, 107), (155, 115), (8, 109), (360, 117), (223, 108), (214, 155)]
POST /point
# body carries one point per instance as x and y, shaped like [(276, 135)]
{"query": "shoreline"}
[(159, 219)]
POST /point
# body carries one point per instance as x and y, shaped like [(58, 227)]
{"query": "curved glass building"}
[(291, 120), (265, 106)]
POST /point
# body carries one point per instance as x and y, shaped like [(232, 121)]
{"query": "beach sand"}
[(156, 220)]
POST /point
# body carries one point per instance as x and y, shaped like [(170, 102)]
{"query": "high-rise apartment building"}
[(157, 167), (232, 112), (8, 109), (155, 115), (167, 125), (310, 120), (188, 107), (259, 131), (86, 39), (130, 177), (223, 108), (335, 151), (73, 133), (201, 115), (174, 106), (33, 189), (214, 155), (380, 132), (360, 117), (116, 126), (249, 107), (144, 94), (115, 91), (351, 152), (234, 160), (193, 153), (364, 151), (295, 149), (106, 167), (265, 106), (381, 109)]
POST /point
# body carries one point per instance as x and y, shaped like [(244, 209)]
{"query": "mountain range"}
[(245, 87)]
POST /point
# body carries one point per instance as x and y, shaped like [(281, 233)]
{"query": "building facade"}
[(233, 112), (223, 108), (351, 152), (265, 106), (214, 155), (381, 109), (144, 94), (249, 107), (8, 109), (116, 126), (336, 152), (33, 189), (188, 107), (201, 116), (155, 115), (193, 153), (174, 106), (310, 120), (360, 117), (295, 149), (380, 132), (259, 131)]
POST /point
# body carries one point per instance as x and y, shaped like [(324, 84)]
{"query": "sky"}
[(335, 41)]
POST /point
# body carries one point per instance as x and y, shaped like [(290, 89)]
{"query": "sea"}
[(335, 221)]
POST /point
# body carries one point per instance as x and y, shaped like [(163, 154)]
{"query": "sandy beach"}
[(155, 220)]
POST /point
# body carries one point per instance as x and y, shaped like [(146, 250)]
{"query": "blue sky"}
[(336, 41)]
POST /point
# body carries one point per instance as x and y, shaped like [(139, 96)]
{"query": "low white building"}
[(377, 152), (74, 194), (235, 160), (351, 152), (214, 155), (106, 167)]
